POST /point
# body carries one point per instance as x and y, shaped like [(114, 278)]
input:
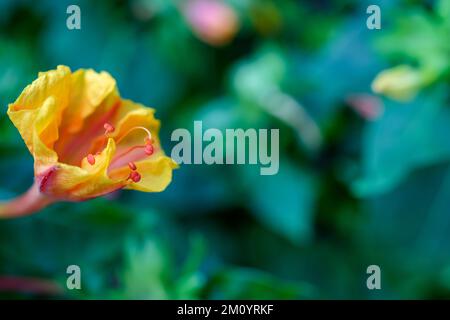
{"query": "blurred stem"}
[(29, 285), (287, 109), (25, 204)]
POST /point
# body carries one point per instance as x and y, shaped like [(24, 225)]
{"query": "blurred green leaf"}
[(406, 137), (150, 272), (284, 202), (241, 283)]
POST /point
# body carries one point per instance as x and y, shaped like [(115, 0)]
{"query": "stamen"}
[(132, 166), (148, 138), (91, 159), (148, 149), (108, 128), (125, 153), (135, 176)]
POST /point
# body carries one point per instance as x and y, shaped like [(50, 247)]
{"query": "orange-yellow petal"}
[(131, 115), (37, 112), (155, 171), (80, 183), (88, 90)]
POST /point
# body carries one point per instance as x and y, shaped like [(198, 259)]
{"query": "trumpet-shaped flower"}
[(86, 140)]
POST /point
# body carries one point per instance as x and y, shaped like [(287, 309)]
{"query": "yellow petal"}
[(45, 98), (88, 90), (156, 174), (45, 133), (75, 183), (155, 171), (132, 115)]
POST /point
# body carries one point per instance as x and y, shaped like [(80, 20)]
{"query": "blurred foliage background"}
[(364, 176)]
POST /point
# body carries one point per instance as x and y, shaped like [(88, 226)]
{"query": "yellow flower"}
[(399, 83), (86, 140)]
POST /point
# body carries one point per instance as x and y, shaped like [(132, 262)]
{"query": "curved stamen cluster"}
[(147, 146)]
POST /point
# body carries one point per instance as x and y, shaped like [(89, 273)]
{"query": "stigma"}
[(90, 159)]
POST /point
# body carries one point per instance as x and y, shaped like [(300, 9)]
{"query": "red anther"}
[(148, 149), (135, 176), (91, 159), (109, 127), (132, 166)]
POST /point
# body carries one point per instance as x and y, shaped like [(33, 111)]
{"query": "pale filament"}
[(149, 134), (125, 153), (147, 141)]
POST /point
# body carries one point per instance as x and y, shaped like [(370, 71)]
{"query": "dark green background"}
[(366, 192)]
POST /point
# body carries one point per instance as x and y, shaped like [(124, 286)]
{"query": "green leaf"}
[(243, 283), (150, 272), (284, 202), (407, 137)]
